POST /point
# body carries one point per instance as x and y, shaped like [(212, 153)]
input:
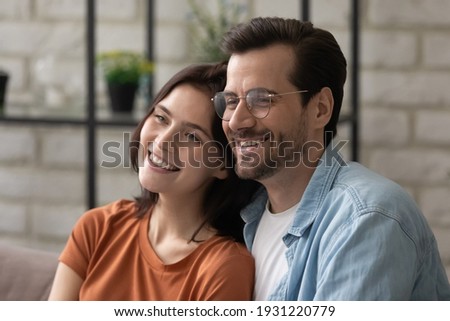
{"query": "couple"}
[(315, 229)]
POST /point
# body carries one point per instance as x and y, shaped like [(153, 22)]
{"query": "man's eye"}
[(261, 101), (231, 102)]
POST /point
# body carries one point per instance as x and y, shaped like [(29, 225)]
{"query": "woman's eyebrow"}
[(164, 109), (198, 127), (186, 123)]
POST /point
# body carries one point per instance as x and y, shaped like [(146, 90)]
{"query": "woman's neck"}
[(177, 217), (172, 224)]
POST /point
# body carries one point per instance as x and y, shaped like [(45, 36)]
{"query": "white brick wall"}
[(393, 50), (405, 100), (15, 9), (436, 58), (432, 127), (406, 13), (331, 13), (434, 206), (409, 88), (412, 166), (289, 9), (13, 218), (18, 145), (66, 149), (384, 127)]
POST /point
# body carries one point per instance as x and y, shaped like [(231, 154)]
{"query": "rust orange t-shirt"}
[(110, 250)]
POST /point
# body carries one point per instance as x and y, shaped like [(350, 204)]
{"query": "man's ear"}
[(323, 108)]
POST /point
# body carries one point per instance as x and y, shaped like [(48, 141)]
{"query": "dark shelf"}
[(67, 121), (42, 121), (68, 115)]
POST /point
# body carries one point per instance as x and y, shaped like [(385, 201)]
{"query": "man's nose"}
[(242, 117)]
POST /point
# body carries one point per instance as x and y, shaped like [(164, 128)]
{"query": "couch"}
[(25, 274)]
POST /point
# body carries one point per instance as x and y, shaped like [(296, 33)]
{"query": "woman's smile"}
[(158, 162)]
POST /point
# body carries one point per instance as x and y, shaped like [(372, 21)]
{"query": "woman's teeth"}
[(161, 163)]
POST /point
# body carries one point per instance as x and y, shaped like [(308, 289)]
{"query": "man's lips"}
[(250, 142)]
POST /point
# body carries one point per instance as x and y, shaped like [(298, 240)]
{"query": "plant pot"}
[(3, 85), (122, 97)]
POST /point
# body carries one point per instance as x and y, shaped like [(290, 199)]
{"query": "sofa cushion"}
[(26, 274)]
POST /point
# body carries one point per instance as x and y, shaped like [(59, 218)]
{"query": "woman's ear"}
[(221, 173), (324, 107)]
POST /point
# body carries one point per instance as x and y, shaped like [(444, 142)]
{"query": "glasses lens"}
[(219, 104), (225, 104), (258, 102)]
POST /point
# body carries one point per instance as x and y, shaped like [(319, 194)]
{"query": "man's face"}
[(264, 147)]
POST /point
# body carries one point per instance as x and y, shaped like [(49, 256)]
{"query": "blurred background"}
[(57, 160)]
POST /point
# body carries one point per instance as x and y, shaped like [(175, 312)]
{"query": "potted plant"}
[(208, 26), (123, 71)]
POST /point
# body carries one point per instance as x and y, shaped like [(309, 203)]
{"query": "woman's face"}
[(179, 152)]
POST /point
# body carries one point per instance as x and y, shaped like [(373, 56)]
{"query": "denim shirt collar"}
[(308, 209)]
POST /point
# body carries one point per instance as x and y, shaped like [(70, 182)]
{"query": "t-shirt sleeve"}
[(81, 243)]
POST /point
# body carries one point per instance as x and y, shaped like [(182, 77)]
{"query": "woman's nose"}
[(165, 139)]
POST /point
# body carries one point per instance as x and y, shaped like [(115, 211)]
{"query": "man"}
[(320, 229)]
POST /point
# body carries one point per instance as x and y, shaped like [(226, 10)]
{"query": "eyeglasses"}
[(258, 100)]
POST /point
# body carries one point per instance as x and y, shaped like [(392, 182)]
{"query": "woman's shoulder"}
[(120, 210), (222, 248), (221, 258), (105, 221)]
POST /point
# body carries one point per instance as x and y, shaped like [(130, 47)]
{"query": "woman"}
[(180, 239)]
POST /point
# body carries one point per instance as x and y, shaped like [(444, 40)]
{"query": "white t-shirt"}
[(269, 251)]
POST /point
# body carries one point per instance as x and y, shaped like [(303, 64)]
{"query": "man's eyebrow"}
[(229, 92)]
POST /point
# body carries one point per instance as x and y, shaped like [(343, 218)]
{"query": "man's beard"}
[(288, 151)]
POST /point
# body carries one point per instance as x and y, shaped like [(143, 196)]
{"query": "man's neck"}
[(286, 189)]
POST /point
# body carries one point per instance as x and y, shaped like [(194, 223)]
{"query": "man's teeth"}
[(249, 143), (161, 163)]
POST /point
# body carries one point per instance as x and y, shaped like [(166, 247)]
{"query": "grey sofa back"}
[(25, 274)]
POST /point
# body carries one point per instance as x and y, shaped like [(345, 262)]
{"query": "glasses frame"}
[(249, 107)]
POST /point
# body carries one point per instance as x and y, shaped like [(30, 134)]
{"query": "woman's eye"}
[(160, 118), (192, 137)]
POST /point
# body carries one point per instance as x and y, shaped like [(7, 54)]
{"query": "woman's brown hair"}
[(225, 198)]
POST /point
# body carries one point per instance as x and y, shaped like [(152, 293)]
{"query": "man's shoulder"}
[(368, 188), (359, 192)]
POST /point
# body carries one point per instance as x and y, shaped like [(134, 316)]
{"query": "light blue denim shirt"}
[(355, 236)]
